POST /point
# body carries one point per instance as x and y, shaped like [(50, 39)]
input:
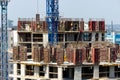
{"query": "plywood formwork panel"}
[(54, 55), (70, 55), (81, 27), (60, 56), (102, 25), (104, 56), (16, 53), (44, 24), (95, 55), (88, 54), (97, 25), (112, 54), (46, 55), (41, 55), (36, 54), (78, 56), (85, 55), (23, 53)]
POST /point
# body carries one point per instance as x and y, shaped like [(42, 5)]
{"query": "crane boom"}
[(52, 13), (4, 41)]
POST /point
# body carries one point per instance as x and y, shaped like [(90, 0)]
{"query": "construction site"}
[(55, 48), (81, 52)]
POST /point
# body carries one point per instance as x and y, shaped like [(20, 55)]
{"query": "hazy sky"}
[(108, 9)]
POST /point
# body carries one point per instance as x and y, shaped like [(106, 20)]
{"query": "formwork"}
[(16, 53)]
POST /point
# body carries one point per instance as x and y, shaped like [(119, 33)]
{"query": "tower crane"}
[(4, 41), (52, 18)]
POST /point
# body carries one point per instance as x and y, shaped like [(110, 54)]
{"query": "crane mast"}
[(52, 18), (4, 41)]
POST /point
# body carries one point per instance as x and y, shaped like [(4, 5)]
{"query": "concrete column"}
[(60, 73), (96, 72), (70, 73), (111, 72), (93, 36), (36, 71), (78, 73), (47, 71), (64, 38), (22, 71), (15, 71), (100, 36)]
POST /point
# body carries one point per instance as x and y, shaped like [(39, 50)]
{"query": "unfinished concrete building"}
[(81, 53)]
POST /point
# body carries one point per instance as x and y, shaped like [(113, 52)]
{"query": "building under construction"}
[(81, 52)]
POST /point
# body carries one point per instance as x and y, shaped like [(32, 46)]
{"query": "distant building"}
[(110, 36), (12, 41), (112, 28), (113, 37), (12, 38), (10, 24), (113, 33)]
